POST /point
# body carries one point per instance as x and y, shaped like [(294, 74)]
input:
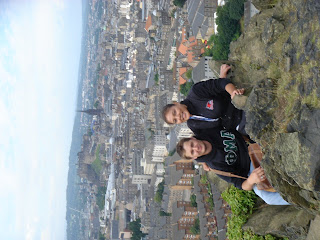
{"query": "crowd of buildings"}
[(138, 55)]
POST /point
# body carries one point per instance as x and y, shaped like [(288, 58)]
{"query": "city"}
[(139, 56)]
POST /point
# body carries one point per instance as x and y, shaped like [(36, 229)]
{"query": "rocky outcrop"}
[(277, 58), (280, 221)]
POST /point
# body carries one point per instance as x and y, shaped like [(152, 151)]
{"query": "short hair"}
[(180, 150), (164, 111)]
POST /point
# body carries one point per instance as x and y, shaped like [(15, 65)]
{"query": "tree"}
[(100, 197), (236, 9), (185, 88), (189, 74), (163, 213), (193, 200), (135, 226), (172, 152), (195, 229), (101, 236), (96, 104), (179, 3), (156, 78), (158, 196), (228, 17)]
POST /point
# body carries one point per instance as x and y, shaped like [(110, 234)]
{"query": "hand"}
[(257, 176), (205, 167), (224, 70), (237, 92)]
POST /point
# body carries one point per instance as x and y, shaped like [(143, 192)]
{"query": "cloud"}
[(35, 129)]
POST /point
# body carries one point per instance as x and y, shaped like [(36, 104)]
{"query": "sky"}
[(40, 44)]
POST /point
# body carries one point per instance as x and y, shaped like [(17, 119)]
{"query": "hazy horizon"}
[(40, 44)]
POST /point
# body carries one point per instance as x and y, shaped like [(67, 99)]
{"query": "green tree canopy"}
[(179, 3), (195, 229), (135, 226), (228, 17), (163, 213), (193, 200), (100, 197), (158, 196), (185, 88), (189, 74)]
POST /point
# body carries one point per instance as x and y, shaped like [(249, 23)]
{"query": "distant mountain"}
[(73, 199)]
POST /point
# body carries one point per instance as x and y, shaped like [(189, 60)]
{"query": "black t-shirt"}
[(210, 99), (229, 153)]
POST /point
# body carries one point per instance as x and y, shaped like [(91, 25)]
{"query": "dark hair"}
[(164, 111), (180, 150)]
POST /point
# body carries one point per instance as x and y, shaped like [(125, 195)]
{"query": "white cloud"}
[(35, 131)]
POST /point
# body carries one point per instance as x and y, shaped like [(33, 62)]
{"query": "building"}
[(201, 17), (203, 71), (141, 179)]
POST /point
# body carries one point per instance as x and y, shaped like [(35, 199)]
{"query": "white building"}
[(148, 166), (141, 179), (183, 131)]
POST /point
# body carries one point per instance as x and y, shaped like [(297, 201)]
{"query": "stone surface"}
[(239, 101), (314, 233), (278, 59), (218, 182), (280, 221)]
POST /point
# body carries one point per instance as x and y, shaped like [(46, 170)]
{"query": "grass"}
[(97, 164), (273, 71), (242, 204), (242, 24)]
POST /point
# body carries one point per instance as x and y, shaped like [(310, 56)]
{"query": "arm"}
[(210, 88), (205, 166), (224, 70), (230, 88), (256, 176)]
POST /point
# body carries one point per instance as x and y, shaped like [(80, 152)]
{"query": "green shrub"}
[(158, 196), (185, 88), (242, 204), (97, 164), (195, 229), (179, 3), (193, 200), (228, 17)]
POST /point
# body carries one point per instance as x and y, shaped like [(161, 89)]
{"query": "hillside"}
[(277, 60)]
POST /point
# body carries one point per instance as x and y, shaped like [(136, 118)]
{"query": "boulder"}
[(314, 233), (280, 221), (277, 59)]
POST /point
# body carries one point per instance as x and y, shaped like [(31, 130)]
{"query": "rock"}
[(239, 101), (220, 184), (314, 233), (264, 4), (280, 221), (272, 29), (278, 56)]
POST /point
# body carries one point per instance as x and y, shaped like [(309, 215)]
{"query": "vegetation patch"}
[(193, 200), (185, 88), (195, 229), (229, 29), (158, 196), (100, 197), (204, 180), (242, 204), (189, 73), (164, 214), (179, 3), (135, 226), (156, 79), (97, 164)]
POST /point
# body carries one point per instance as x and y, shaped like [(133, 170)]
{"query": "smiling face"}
[(176, 114), (195, 148)]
